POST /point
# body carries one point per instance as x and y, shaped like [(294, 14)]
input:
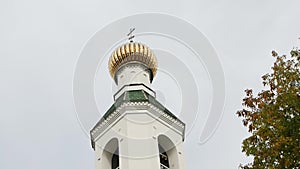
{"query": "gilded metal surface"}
[(132, 52)]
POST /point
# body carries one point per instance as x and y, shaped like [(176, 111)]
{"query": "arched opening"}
[(115, 160), (110, 155), (163, 158), (168, 155)]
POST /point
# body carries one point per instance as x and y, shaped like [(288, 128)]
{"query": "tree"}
[(273, 117)]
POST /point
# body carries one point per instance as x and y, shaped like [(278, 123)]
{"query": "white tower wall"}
[(132, 73), (138, 134)]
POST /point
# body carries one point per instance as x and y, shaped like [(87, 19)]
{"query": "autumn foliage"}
[(273, 117)]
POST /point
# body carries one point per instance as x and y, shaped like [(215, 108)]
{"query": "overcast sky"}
[(41, 42)]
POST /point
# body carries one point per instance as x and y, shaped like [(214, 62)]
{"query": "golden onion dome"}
[(132, 52)]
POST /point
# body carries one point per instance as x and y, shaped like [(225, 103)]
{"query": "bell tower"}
[(137, 132)]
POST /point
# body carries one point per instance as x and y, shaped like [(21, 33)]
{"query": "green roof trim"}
[(134, 96)]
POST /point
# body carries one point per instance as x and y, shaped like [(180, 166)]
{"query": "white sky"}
[(41, 41)]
